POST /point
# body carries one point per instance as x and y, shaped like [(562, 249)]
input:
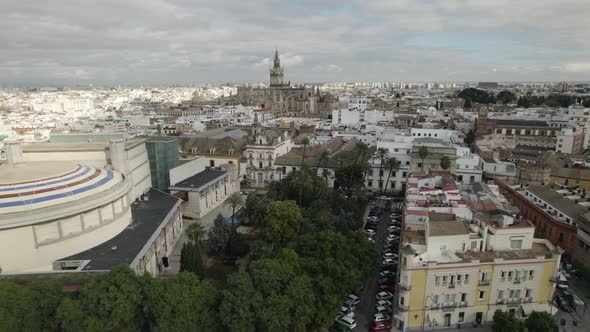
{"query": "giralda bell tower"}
[(276, 72)]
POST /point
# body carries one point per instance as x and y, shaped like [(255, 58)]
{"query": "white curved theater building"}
[(63, 200)]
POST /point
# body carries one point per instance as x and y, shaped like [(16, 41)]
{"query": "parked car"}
[(385, 287), (344, 310), (383, 310), (381, 317), (563, 304), (384, 303), (388, 262), (395, 222), (350, 304), (380, 326), (385, 281), (370, 231), (386, 273), (347, 321), (383, 296), (392, 237), (390, 255), (355, 299), (373, 218)]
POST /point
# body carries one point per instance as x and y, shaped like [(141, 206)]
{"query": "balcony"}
[(449, 305), (463, 303), (405, 287), (434, 306), (484, 282), (402, 307), (516, 281), (528, 300), (513, 302), (452, 285), (500, 301)]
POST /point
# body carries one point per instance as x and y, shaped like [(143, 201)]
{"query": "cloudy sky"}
[(189, 41)]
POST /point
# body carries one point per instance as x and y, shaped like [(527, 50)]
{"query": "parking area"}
[(385, 231)]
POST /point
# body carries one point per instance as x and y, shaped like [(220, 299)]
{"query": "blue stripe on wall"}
[(44, 184), (60, 195)]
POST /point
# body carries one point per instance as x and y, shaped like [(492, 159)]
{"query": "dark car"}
[(385, 281), (563, 304)]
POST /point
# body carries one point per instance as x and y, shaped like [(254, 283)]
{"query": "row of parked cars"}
[(346, 315), (387, 274)]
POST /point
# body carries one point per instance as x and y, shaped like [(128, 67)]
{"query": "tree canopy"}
[(283, 221), (506, 322), (541, 322), (477, 96)]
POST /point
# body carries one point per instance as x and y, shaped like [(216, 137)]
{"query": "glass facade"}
[(163, 156)]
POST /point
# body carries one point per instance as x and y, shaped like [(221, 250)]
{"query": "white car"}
[(355, 299), (383, 310), (347, 321), (381, 317), (386, 273), (373, 218), (392, 237), (390, 255), (383, 296), (345, 310), (388, 262), (393, 228)]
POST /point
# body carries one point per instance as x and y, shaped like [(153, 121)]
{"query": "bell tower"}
[(276, 72)]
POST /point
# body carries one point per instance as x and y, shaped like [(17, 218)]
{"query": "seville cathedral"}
[(285, 99)]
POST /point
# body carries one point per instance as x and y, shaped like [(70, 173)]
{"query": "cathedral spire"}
[(277, 61)]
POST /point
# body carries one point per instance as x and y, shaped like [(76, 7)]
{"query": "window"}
[(482, 294), (509, 275), (212, 163), (503, 276), (466, 279), (517, 293), (447, 298), (531, 274), (459, 279), (401, 300), (461, 317), (511, 294), (516, 244), (463, 297), (444, 280), (437, 281), (528, 292), (434, 299), (560, 236), (500, 294)]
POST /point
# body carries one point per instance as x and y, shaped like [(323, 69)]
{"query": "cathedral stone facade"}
[(285, 99)]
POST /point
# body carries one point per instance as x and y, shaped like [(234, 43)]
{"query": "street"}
[(366, 308), (581, 316)]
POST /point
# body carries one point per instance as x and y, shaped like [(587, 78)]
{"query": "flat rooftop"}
[(563, 204), (25, 172), (446, 228), (538, 249), (123, 248), (198, 180)]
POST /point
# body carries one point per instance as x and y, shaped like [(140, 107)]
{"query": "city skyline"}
[(180, 42)]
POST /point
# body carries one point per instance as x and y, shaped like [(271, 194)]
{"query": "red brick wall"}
[(546, 226)]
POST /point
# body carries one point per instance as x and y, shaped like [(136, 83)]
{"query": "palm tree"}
[(423, 152), (393, 165), (361, 150), (304, 181), (382, 154), (235, 201), (305, 143), (196, 232), (323, 156)]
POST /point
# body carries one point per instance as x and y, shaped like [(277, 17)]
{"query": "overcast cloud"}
[(189, 41)]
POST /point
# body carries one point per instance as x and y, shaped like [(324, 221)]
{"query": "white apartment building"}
[(457, 269), (467, 170)]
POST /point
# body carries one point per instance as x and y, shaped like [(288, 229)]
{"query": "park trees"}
[(541, 322), (218, 236), (506, 322), (445, 163), (283, 221)]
